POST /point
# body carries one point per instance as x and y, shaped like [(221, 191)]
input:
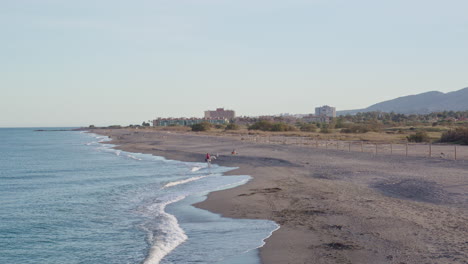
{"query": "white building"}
[(325, 111)]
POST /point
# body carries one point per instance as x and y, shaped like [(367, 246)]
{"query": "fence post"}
[(375, 148), (406, 149), (430, 150), (326, 144), (391, 148), (455, 152)]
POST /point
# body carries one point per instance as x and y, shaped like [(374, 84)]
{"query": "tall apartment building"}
[(220, 113), (325, 111)]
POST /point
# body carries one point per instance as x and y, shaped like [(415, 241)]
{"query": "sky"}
[(107, 62)]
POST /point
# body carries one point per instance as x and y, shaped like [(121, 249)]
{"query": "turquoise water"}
[(66, 198)]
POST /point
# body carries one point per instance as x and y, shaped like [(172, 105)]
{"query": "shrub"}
[(308, 127), (204, 126), (420, 136), (220, 126), (269, 126), (232, 126), (281, 127), (261, 125), (324, 129), (458, 135)]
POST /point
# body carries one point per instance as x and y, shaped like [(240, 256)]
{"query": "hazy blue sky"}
[(103, 62)]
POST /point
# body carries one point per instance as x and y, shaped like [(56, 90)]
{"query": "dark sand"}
[(333, 206)]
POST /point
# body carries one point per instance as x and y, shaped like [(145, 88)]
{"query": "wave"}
[(167, 236), (171, 184), (133, 157), (271, 233), (194, 169)]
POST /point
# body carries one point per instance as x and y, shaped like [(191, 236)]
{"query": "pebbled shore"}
[(333, 206)]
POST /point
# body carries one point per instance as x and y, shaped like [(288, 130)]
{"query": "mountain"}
[(423, 103)]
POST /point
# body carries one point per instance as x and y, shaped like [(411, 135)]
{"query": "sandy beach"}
[(332, 206)]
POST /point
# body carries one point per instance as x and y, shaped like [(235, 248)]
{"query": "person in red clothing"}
[(208, 157)]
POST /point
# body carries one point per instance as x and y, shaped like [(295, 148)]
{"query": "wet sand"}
[(332, 206)]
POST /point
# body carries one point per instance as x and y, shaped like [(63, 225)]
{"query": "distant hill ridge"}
[(423, 103)]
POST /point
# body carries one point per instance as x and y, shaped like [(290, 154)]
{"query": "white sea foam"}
[(174, 183), (103, 138), (133, 157), (196, 169), (168, 235), (271, 233)]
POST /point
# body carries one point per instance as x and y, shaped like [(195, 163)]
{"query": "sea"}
[(65, 197)]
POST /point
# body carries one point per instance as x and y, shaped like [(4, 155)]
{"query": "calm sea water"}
[(66, 198)]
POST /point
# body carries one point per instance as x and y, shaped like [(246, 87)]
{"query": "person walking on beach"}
[(208, 159)]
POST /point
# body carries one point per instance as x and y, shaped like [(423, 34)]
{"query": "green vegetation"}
[(325, 130), (232, 126), (264, 125), (394, 119), (458, 135), (204, 126), (308, 127), (420, 136), (372, 126), (220, 126), (261, 125)]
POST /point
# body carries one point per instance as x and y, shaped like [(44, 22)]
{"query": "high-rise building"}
[(325, 111), (220, 113)]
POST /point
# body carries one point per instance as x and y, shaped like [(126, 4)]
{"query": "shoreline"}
[(332, 207)]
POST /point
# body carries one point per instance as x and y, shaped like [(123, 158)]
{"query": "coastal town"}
[(220, 116)]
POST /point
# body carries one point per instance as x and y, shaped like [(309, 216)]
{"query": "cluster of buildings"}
[(215, 117), (221, 116)]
